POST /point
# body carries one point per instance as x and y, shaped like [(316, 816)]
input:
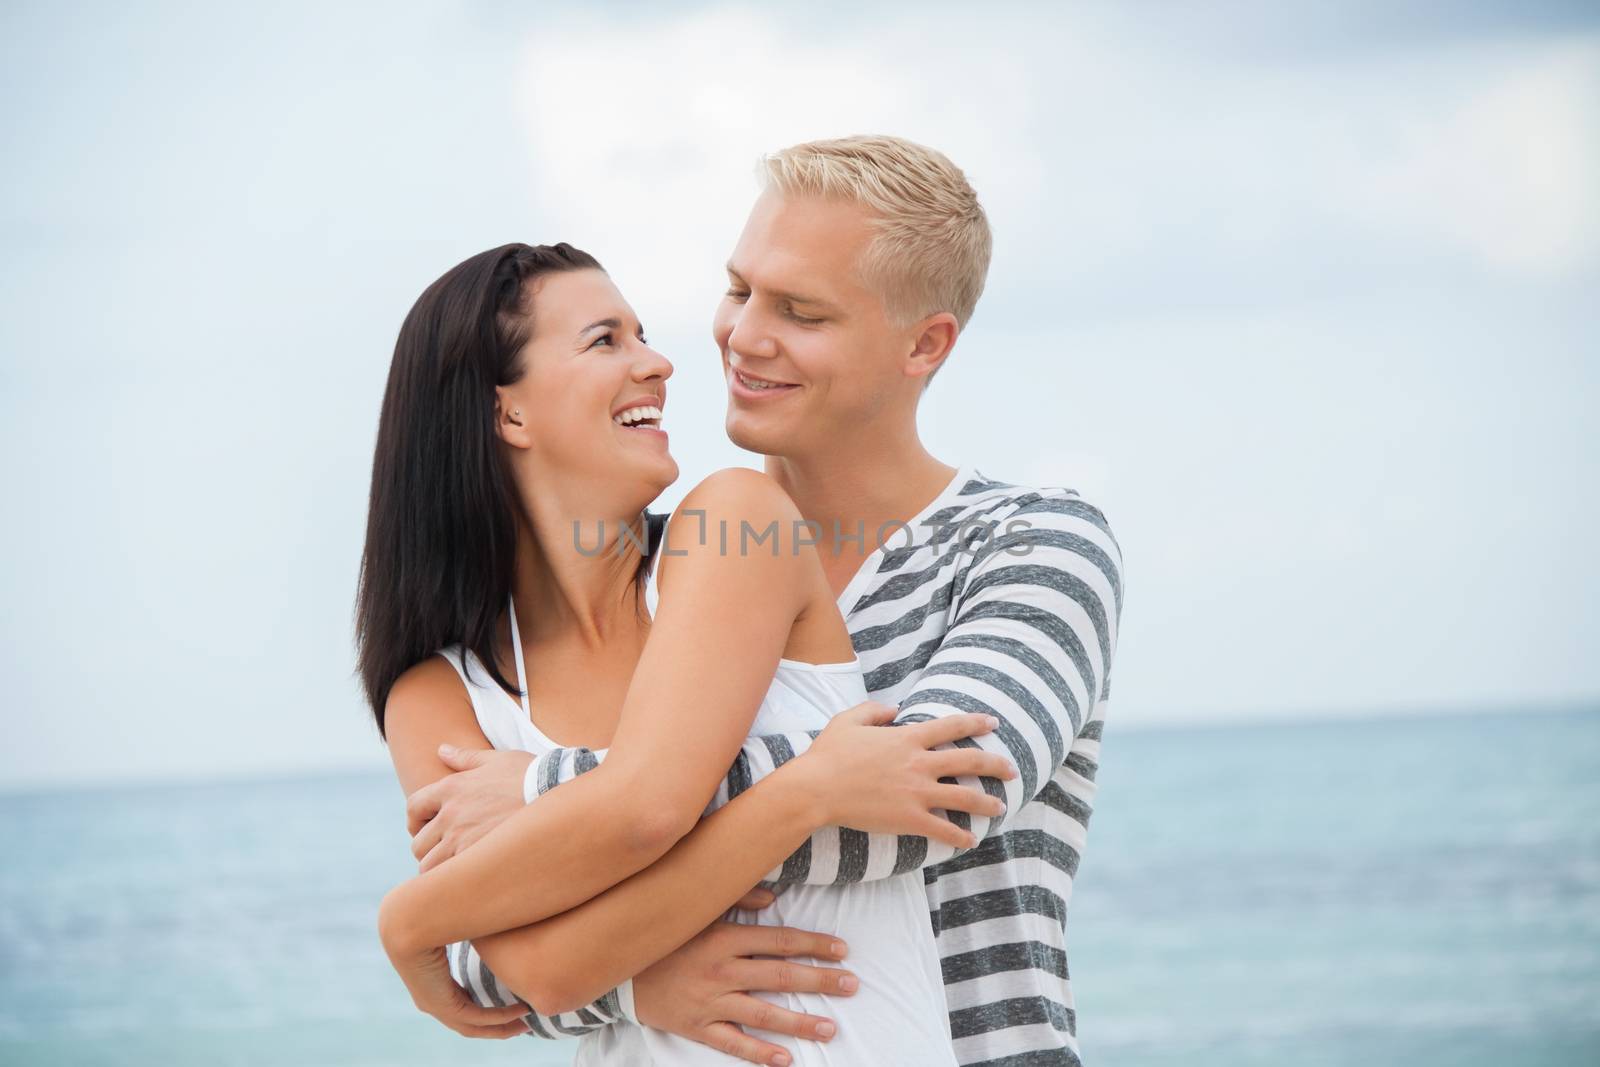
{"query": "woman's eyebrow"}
[(609, 324)]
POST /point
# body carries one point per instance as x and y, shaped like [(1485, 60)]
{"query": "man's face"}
[(808, 351)]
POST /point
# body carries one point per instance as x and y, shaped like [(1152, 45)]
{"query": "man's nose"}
[(750, 337)]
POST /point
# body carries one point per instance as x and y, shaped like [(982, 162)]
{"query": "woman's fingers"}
[(436, 855), (961, 798), (869, 713), (948, 728), (422, 806), (940, 829), (426, 838), (725, 1037), (955, 762)]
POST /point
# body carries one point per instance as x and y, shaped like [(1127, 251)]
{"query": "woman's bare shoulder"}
[(736, 511), (736, 527), (739, 492), (428, 705), (430, 691)]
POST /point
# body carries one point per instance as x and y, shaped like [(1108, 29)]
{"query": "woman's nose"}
[(652, 364)]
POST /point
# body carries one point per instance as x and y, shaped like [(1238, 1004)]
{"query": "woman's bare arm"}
[(428, 707), (709, 659), (571, 959)]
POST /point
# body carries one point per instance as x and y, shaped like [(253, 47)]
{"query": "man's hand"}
[(702, 991), (426, 974), (450, 814)]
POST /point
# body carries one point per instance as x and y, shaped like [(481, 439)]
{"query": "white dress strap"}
[(516, 649)]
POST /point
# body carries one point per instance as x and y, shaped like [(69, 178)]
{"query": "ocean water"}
[(1388, 891)]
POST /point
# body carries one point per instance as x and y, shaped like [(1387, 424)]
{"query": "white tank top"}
[(898, 1014)]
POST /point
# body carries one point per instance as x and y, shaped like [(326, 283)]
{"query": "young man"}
[(861, 262)]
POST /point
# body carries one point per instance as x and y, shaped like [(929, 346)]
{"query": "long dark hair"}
[(442, 515)]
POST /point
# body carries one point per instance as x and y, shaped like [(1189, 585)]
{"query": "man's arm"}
[(565, 960), (1032, 644), (473, 975)]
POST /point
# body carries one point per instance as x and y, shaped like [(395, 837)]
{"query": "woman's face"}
[(591, 399)]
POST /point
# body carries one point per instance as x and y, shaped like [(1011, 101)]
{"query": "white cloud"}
[(1510, 176), (645, 139), (1099, 152)]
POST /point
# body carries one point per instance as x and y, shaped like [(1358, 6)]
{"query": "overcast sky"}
[(1303, 297)]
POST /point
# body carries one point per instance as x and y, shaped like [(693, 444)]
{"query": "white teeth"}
[(636, 415), (756, 383)]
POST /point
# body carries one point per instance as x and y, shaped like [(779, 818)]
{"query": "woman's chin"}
[(669, 474), (654, 475)]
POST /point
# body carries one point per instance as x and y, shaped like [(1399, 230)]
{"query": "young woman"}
[(518, 448)]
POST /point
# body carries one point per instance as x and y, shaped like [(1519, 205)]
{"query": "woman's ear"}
[(509, 421)]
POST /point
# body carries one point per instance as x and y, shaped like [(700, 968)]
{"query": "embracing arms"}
[(708, 661), (1031, 643), (553, 964), (558, 964)]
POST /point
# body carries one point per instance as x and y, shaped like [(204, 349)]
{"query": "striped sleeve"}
[(1034, 632), (1032, 641), (472, 974)]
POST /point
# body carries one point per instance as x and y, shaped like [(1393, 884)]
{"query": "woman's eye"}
[(603, 339)]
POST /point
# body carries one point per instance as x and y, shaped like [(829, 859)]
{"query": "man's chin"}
[(765, 440)]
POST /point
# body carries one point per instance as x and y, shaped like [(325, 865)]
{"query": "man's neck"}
[(854, 495)]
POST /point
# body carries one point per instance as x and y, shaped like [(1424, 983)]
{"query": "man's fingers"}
[(725, 1037), (952, 727), (470, 1013), (743, 939), (423, 805), (955, 762), (764, 1015), (756, 899), (783, 976), (500, 1032)]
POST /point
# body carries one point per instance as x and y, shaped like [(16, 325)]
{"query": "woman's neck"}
[(576, 577)]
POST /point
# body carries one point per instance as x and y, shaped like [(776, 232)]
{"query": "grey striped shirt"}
[(998, 599)]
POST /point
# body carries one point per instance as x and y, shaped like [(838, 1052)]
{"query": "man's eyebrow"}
[(793, 298)]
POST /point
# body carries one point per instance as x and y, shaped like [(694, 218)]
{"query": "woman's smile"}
[(642, 419)]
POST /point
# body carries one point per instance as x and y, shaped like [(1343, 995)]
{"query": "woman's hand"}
[(447, 815), (426, 974), (881, 779)]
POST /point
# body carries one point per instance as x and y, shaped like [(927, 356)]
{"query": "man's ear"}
[(510, 421), (935, 337)]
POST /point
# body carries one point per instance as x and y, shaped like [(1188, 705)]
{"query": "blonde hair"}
[(930, 252)]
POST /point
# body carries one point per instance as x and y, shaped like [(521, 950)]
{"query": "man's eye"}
[(802, 319), (738, 294)]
